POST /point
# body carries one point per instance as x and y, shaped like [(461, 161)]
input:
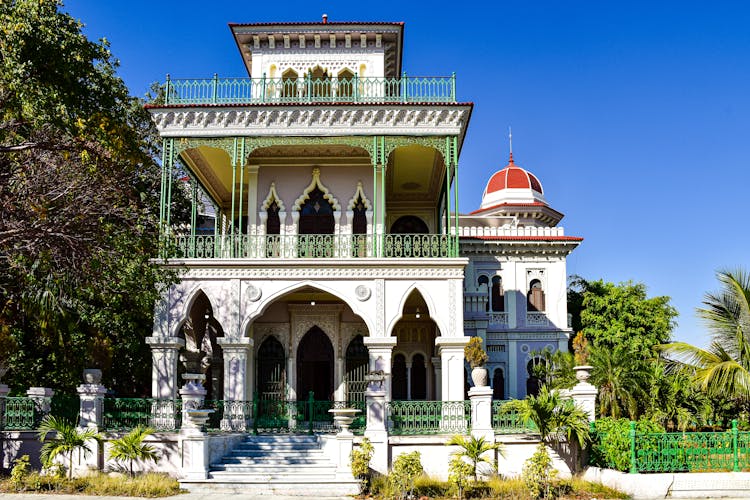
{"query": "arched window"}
[(398, 378), (289, 84), (273, 224), (483, 284), (345, 86), (498, 384), (357, 361), (271, 370), (319, 82), (497, 296), (409, 224), (535, 297), (316, 215), (418, 378)]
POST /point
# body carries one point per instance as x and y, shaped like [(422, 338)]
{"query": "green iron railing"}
[(429, 417), (506, 420), (310, 90), (319, 246), (20, 413), (67, 406), (120, 414)]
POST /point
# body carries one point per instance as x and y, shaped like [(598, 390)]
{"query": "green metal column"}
[(170, 166), (455, 190), (193, 214), (234, 186), (631, 434), (383, 161), (735, 448), (242, 182), (374, 196), (163, 188), (447, 161)]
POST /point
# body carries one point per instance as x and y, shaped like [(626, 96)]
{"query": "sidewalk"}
[(186, 496)]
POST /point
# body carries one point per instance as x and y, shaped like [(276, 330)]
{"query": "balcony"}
[(537, 319), (500, 319), (312, 246), (407, 89)]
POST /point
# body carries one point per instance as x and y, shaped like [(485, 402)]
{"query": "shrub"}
[(425, 486), (538, 473), (21, 470), (131, 448), (458, 473), (406, 469), (360, 462), (474, 353), (611, 444), (146, 485)]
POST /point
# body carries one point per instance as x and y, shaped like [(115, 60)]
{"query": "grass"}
[(151, 485), (496, 487)]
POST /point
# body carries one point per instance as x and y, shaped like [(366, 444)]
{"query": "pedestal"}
[(42, 397), (481, 413), (192, 393), (376, 430), (91, 405), (344, 468)]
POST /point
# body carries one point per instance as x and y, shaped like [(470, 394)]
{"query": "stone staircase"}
[(278, 465)]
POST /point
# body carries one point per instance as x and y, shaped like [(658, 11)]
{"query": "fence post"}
[(262, 88), (453, 87), (405, 93), (481, 413), (42, 397), (91, 395), (255, 413), (167, 90), (633, 468), (310, 404), (4, 390), (735, 448), (215, 88)]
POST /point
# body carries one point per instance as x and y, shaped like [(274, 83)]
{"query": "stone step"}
[(247, 485), (277, 447), (284, 452), (282, 438), (272, 461), (269, 467)]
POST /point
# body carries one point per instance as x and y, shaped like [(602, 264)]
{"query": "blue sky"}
[(634, 115)]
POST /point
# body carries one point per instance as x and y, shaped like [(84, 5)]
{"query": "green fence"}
[(305, 89), (505, 420), (122, 414), (428, 417), (311, 246), (20, 413), (674, 451)]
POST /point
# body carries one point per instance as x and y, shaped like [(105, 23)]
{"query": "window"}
[(535, 298), (497, 296)]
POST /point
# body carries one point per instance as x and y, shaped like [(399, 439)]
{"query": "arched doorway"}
[(202, 354), (357, 361), (316, 219), (409, 224), (271, 370), (418, 378), (315, 366), (498, 384)]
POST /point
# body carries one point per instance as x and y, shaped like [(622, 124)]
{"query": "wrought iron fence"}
[(121, 414), (20, 413), (66, 406), (310, 90), (428, 417), (505, 420), (319, 246)]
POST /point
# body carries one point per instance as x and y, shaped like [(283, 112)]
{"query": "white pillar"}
[(481, 413), (451, 350), (237, 364), (436, 364), (584, 393), (164, 356), (338, 380), (42, 397), (376, 432), (408, 380), (381, 350)]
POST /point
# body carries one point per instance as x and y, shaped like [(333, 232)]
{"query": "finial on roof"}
[(325, 18), (510, 142)]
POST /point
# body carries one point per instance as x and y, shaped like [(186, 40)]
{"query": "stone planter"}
[(92, 376), (480, 376), (344, 418), (583, 372)]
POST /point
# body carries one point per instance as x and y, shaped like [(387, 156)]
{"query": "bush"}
[(360, 461), (611, 443), (146, 485), (538, 473), (406, 469), (21, 470), (425, 486)]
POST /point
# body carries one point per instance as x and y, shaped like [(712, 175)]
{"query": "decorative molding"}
[(301, 120), (272, 196), (253, 293), (315, 182), (380, 307), (452, 307), (217, 271), (359, 193), (261, 331), (362, 292)]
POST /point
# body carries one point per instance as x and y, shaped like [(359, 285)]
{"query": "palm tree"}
[(68, 438), (131, 447), (723, 369), (474, 449), (553, 416), (620, 377)]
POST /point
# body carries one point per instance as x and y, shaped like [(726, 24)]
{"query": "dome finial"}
[(510, 143)]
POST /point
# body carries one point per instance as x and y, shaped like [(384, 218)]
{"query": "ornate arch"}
[(273, 196), (184, 311), (431, 308), (359, 193), (313, 184)]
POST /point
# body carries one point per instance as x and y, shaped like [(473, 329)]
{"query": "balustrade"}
[(309, 90), (500, 319), (128, 413), (537, 319), (429, 417)]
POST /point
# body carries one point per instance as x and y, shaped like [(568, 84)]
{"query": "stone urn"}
[(92, 376), (344, 418), (479, 376), (583, 372), (197, 418)]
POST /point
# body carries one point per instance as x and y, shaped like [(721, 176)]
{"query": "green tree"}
[(68, 438), (723, 368), (621, 379), (131, 448), (79, 192), (474, 450), (622, 316)]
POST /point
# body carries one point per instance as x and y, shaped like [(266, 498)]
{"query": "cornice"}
[(315, 121)]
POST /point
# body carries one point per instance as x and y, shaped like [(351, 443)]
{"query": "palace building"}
[(325, 243)]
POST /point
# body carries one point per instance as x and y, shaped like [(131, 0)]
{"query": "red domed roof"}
[(513, 177)]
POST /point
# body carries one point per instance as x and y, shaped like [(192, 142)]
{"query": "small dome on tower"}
[(512, 185)]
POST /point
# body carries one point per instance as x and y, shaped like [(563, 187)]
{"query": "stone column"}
[(436, 364), (164, 356), (237, 364), (584, 393), (376, 431), (451, 350), (42, 397), (381, 349), (481, 413), (91, 395), (408, 380)]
